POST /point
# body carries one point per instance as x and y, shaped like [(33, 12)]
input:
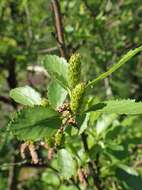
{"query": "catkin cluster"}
[(77, 87)]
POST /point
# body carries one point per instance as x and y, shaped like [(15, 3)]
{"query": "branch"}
[(5, 100), (11, 79), (25, 163), (12, 168), (49, 50), (93, 167), (30, 32), (59, 27)]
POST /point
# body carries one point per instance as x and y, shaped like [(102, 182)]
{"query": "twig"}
[(25, 163), (13, 163), (11, 185), (94, 170), (12, 83), (84, 140), (97, 175), (42, 51), (59, 27), (11, 79), (30, 32)]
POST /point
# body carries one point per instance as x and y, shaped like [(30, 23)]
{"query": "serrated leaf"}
[(66, 164), (128, 107), (116, 66), (57, 67), (25, 95), (56, 94), (35, 123)]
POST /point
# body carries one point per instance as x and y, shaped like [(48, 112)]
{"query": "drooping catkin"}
[(33, 153), (23, 149), (82, 177), (77, 97), (74, 70)]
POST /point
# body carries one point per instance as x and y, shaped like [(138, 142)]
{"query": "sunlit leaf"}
[(128, 107), (56, 94), (57, 67), (25, 95), (66, 164)]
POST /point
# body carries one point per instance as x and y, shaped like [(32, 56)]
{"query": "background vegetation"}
[(101, 31)]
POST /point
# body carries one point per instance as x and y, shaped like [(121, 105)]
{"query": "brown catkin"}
[(33, 153), (82, 177), (23, 147)]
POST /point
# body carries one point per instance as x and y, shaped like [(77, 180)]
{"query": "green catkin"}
[(59, 138), (74, 70), (77, 97)]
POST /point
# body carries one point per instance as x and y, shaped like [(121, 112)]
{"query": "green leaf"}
[(131, 182), (35, 123), (116, 66), (56, 94), (128, 169), (50, 177), (104, 122), (84, 125), (66, 164), (128, 107), (95, 107), (57, 67), (68, 187), (26, 96)]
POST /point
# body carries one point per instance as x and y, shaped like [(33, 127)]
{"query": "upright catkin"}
[(74, 70), (77, 97)]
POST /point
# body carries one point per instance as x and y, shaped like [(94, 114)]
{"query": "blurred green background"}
[(101, 31)]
